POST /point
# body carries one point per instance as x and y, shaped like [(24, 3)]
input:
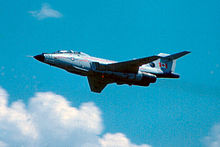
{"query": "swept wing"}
[(131, 66), (96, 84)]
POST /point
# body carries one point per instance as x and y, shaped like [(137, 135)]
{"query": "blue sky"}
[(169, 113)]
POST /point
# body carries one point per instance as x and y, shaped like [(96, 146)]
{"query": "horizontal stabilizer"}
[(175, 56)]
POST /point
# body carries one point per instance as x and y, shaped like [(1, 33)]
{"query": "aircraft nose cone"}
[(40, 57)]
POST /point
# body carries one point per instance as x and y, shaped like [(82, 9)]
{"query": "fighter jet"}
[(101, 72)]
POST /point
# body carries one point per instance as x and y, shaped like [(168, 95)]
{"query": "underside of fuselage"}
[(78, 71)]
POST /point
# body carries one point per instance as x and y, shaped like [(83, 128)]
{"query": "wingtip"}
[(187, 52)]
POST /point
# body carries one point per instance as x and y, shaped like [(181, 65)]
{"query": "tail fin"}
[(167, 63)]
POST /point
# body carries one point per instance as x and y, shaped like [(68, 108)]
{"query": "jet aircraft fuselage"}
[(101, 72)]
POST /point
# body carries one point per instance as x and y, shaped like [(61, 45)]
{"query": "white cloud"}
[(2, 144), (50, 120), (213, 140), (45, 12), (117, 140)]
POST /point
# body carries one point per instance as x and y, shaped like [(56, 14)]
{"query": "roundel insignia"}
[(152, 64)]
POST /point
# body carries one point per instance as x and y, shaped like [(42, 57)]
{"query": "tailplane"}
[(167, 62)]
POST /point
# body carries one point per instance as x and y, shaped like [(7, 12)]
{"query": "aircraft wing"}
[(96, 84), (130, 66)]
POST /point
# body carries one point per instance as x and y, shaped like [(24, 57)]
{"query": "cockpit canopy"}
[(71, 52), (63, 51)]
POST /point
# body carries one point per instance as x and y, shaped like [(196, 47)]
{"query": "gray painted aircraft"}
[(101, 72)]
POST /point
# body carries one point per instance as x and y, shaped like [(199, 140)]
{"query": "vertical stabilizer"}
[(167, 62)]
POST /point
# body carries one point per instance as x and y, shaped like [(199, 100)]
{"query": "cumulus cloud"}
[(50, 120), (213, 140), (45, 12), (2, 144), (117, 140)]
